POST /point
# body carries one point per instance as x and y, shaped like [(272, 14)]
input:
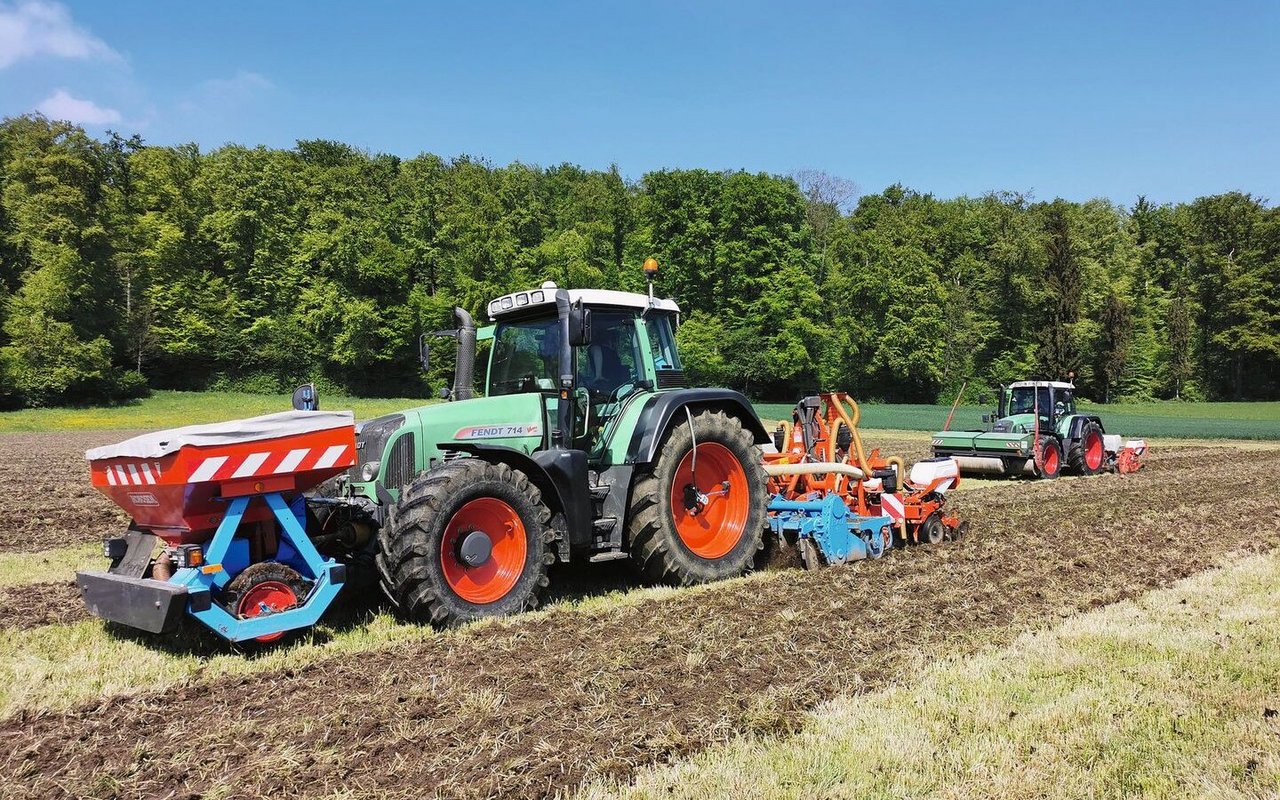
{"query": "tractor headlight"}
[(370, 471)]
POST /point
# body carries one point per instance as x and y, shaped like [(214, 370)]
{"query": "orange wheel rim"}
[(1051, 460), (1093, 451), (268, 597), (716, 523), (491, 580)]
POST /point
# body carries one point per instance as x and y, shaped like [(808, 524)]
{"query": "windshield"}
[(1023, 400), (525, 357)]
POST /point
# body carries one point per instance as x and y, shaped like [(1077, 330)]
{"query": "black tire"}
[(253, 576), (932, 531), (412, 544), (960, 531), (655, 541), (1049, 465), (1080, 452)]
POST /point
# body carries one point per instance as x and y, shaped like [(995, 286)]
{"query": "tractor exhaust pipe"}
[(464, 369)]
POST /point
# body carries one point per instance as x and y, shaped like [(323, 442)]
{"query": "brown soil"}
[(39, 604), (534, 706), (48, 498)]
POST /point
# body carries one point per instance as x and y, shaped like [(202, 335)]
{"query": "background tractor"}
[(1037, 431)]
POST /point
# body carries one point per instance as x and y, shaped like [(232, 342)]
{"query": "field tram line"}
[(504, 707)]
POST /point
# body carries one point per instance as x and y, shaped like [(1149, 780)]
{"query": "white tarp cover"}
[(271, 426)]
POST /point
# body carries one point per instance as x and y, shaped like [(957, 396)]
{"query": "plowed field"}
[(533, 706)]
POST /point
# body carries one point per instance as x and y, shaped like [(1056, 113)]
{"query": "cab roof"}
[(526, 300), (1029, 384)]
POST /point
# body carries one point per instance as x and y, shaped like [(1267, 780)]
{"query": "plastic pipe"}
[(814, 468)]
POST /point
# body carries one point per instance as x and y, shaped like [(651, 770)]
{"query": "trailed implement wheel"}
[(1049, 464), (932, 531), (700, 516), (467, 539), (1087, 455), (267, 587)]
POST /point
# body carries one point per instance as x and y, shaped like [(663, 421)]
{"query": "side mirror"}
[(306, 398), (987, 419), (424, 352), (579, 325)]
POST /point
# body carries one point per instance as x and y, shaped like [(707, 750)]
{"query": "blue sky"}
[(1172, 100)]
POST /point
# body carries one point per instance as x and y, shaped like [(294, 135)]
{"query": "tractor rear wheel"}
[(1086, 455), (467, 539), (700, 515), (1049, 464)]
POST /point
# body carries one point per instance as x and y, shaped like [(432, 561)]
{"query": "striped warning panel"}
[(268, 462), (891, 504)]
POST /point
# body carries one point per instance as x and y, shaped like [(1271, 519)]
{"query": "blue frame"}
[(305, 615), (838, 532)]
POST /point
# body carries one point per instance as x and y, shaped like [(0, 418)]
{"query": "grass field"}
[(172, 409), (1164, 420)]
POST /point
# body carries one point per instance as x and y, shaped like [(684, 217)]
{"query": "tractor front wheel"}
[(1049, 464), (467, 539), (700, 515), (1087, 454)]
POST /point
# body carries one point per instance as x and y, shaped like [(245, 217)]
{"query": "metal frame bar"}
[(196, 579)]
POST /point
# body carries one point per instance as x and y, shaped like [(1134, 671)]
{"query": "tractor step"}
[(610, 556)]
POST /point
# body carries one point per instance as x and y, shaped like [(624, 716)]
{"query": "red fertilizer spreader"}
[(217, 517), (175, 483)]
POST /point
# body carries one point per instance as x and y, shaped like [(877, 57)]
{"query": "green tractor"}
[(585, 445), (1035, 431)]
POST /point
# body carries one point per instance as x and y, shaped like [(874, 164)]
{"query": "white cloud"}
[(36, 28), (223, 93), (62, 105)]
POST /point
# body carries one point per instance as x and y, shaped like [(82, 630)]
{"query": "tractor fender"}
[(660, 410), (561, 476), (1077, 425)]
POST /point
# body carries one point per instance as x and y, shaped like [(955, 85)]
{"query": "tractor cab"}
[(621, 346), (1021, 402)]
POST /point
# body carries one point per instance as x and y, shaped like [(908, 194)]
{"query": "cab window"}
[(525, 357), (662, 342), (613, 357)]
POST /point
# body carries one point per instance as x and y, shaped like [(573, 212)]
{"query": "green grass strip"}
[(173, 409)]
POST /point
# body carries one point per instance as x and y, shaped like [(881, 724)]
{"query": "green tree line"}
[(125, 266)]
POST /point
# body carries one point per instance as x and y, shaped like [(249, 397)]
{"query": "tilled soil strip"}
[(535, 706), (48, 499), (37, 604)]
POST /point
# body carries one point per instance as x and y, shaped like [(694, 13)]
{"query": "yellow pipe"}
[(862, 456), (853, 428)]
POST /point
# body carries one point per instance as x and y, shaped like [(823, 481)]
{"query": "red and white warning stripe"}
[(267, 462), (891, 504), (133, 474), (251, 465)]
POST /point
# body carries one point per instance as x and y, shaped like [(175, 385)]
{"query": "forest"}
[(126, 267)]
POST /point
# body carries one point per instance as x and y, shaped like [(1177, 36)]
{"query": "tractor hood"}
[(1016, 423), (396, 447)]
